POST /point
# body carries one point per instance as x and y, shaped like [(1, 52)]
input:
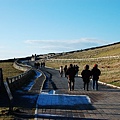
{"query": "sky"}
[(53, 26)]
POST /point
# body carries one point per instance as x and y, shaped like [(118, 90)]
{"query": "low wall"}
[(21, 66), (18, 81), (29, 72)]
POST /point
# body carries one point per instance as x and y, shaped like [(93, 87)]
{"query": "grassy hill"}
[(103, 51), (8, 69), (107, 57)]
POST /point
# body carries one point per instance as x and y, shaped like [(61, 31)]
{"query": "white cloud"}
[(43, 41), (92, 40), (58, 46), (83, 42), (48, 46)]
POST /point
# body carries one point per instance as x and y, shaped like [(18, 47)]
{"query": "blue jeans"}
[(95, 84)]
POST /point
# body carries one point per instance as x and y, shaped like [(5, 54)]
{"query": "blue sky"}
[(43, 26)]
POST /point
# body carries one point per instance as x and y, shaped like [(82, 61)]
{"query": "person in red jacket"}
[(86, 73), (95, 76)]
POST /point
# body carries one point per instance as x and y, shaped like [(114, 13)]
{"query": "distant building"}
[(33, 58)]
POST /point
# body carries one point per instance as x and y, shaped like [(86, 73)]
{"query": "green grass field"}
[(8, 70)]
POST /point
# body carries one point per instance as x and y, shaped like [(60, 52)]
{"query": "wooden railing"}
[(16, 82), (86, 59)]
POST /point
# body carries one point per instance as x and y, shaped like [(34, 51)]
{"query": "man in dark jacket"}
[(86, 73), (70, 76), (95, 76), (65, 70)]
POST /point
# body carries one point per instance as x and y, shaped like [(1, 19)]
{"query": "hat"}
[(96, 65)]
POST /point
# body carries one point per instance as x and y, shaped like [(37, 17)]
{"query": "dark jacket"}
[(70, 73), (86, 75), (95, 73)]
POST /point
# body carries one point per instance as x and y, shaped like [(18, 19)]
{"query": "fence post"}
[(9, 96), (2, 87)]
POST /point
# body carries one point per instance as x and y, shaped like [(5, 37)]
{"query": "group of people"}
[(38, 65), (70, 73), (91, 74), (86, 74), (64, 70)]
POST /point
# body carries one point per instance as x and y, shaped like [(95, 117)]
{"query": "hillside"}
[(107, 57), (109, 50)]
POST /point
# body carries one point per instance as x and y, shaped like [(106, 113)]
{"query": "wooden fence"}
[(86, 59), (16, 82)]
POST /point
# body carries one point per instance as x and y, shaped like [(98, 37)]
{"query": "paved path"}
[(105, 103)]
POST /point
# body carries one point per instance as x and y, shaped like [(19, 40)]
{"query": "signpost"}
[(8, 91), (4, 89), (9, 95), (1, 78)]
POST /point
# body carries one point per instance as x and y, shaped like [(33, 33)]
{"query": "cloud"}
[(81, 40), (47, 46), (92, 40), (63, 45), (35, 42)]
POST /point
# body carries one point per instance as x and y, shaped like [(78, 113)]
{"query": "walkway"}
[(105, 103)]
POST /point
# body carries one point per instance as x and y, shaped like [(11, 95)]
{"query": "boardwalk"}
[(105, 103)]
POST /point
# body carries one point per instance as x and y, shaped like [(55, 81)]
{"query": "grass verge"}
[(8, 70)]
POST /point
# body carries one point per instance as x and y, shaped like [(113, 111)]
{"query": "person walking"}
[(76, 69), (95, 76), (61, 71), (86, 73), (71, 77), (65, 70)]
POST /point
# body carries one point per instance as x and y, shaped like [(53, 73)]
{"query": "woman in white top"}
[(61, 71)]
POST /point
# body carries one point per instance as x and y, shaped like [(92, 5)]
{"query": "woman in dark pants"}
[(86, 73)]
